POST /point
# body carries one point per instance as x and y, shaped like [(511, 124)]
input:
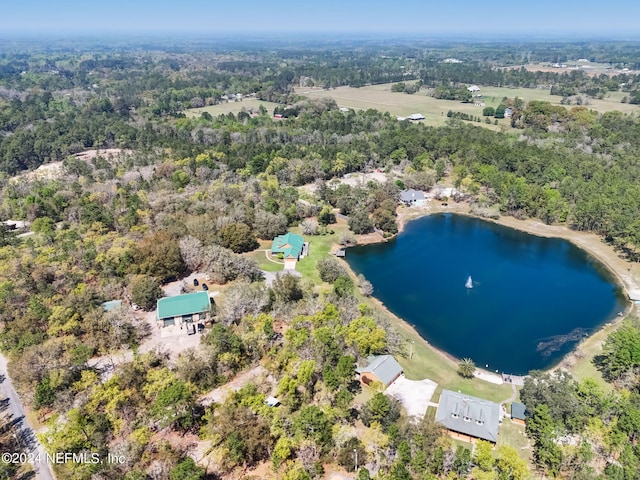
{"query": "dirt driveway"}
[(219, 394), (414, 395)]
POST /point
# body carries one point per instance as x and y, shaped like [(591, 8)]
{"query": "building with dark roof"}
[(518, 413), (468, 418), (186, 308), (381, 368)]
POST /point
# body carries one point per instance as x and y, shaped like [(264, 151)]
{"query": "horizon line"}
[(538, 36)]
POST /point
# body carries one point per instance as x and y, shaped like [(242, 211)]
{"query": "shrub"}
[(145, 291), (330, 269)]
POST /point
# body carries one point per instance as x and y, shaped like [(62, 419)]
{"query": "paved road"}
[(27, 435)]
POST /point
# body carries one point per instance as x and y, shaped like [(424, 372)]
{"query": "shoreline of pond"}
[(590, 243)]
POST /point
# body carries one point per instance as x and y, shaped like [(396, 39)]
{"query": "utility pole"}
[(355, 452), (411, 350)]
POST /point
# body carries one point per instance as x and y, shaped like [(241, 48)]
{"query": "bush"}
[(286, 288), (343, 286), (159, 255), (488, 112), (238, 237), (145, 291), (269, 225), (186, 470), (224, 266), (326, 216), (365, 286), (330, 269), (360, 223)]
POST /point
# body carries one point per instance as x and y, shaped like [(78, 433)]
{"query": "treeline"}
[(581, 429), (573, 181)]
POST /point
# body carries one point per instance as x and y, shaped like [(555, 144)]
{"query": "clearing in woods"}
[(232, 107)]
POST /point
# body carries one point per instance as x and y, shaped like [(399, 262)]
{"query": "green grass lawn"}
[(261, 259), (513, 435), (231, 107), (319, 247), (580, 362), (429, 363), (431, 412), (265, 264)]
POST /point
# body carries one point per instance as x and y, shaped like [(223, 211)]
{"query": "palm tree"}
[(466, 368)]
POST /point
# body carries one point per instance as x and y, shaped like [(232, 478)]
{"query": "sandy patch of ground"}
[(53, 170), (353, 179), (488, 376), (414, 395), (361, 179), (49, 171), (106, 153), (219, 394), (368, 238)]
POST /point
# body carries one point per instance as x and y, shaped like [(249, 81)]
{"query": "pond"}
[(531, 298)]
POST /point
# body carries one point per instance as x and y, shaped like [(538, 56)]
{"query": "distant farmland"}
[(380, 97), (231, 107)]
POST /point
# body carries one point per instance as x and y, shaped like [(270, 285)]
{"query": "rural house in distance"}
[(468, 418), (412, 197)]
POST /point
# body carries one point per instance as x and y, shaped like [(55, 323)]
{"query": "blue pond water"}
[(532, 299)]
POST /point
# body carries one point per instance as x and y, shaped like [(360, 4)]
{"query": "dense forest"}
[(186, 195)]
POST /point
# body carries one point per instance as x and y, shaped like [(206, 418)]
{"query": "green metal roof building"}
[(182, 307), (110, 305), (289, 244)]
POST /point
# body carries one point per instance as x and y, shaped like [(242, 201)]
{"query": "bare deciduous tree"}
[(191, 251), (244, 299), (309, 227), (365, 286)]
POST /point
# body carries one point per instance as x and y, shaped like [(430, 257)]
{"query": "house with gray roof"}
[(412, 197), (380, 368), (518, 413), (468, 418)]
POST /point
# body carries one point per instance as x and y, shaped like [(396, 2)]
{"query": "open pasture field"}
[(493, 96), (380, 97), (231, 107), (589, 68)]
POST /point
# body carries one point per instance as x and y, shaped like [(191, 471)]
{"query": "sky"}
[(587, 18)]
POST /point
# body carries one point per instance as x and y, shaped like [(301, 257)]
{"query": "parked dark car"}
[(204, 286), (200, 327), (195, 282)]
